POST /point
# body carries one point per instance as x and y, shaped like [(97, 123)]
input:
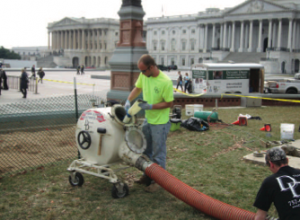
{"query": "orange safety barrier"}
[(196, 199)]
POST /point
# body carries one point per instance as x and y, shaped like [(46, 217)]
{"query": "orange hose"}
[(196, 199)]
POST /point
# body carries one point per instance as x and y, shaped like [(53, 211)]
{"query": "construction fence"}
[(40, 132)]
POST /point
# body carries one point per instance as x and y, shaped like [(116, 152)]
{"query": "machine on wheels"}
[(103, 139)]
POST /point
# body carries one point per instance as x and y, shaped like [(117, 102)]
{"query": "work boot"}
[(144, 180), (153, 187)]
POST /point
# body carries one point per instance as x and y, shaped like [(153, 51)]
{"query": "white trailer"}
[(238, 78)]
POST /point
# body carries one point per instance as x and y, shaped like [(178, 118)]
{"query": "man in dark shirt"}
[(282, 188)]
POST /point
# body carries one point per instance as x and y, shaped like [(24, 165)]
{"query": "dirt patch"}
[(21, 150)]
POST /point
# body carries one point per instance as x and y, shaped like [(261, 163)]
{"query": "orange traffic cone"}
[(266, 127), (237, 122), (243, 121)]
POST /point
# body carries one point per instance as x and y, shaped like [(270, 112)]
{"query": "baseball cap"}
[(276, 154)]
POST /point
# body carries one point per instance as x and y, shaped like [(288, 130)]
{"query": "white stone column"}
[(246, 37), (241, 49), (233, 37), (88, 39), (70, 39), (83, 39), (206, 36), (49, 40), (270, 34), (59, 39), (66, 40), (229, 37), (225, 35), (294, 35), (98, 40), (78, 40), (274, 35), (74, 39), (188, 38), (279, 33), (221, 35), (167, 40), (259, 48), (213, 35), (250, 49), (290, 35)]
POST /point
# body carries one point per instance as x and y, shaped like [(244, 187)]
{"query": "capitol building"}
[(260, 31)]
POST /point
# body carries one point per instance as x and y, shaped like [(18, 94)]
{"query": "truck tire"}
[(291, 91)]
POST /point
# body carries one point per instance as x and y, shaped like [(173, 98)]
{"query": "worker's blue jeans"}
[(156, 137)]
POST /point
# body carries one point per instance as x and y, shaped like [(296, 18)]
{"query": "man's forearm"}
[(134, 93), (162, 105)]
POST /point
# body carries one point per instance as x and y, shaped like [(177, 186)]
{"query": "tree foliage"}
[(7, 54)]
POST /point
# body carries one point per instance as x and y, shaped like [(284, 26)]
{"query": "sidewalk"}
[(62, 88)]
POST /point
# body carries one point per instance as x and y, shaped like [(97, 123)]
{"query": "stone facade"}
[(264, 31), (81, 41), (268, 30)]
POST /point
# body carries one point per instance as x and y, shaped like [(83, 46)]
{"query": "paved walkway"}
[(65, 85)]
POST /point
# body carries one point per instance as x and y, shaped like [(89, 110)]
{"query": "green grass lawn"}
[(210, 161)]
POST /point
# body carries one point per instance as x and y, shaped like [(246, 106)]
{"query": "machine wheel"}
[(291, 91), (78, 181), (116, 194)]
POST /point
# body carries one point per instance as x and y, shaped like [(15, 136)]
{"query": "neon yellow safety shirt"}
[(156, 90)]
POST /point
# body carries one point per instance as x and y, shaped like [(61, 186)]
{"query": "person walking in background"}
[(24, 83), (41, 74), (33, 71), (186, 82), (157, 90), (78, 70), (179, 81), (282, 188), (82, 69), (0, 80), (4, 79)]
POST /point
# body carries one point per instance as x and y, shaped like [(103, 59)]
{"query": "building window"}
[(192, 61), (105, 47), (162, 46), (183, 31), (163, 32), (174, 32), (116, 33), (173, 44), (154, 32), (193, 31), (183, 62), (172, 61), (183, 45), (162, 61), (192, 45)]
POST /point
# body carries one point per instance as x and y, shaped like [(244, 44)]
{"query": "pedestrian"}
[(24, 83), (0, 80), (82, 69), (41, 74), (186, 82), (4, 79), (282, 188), (33, 72), (157, 90), (179, 81), (78, 70)]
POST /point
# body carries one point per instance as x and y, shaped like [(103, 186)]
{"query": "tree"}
[(7, 54)]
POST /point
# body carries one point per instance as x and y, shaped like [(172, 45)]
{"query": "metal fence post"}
[(76, 107)]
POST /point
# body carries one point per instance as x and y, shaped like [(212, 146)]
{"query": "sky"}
[(24, 22)]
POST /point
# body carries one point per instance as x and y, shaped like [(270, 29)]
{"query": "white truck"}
[(237, 78), (283, 85)]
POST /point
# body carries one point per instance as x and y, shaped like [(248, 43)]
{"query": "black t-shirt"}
[(281, 188)]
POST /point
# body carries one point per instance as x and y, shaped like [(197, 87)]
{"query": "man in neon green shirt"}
[(157, 90)]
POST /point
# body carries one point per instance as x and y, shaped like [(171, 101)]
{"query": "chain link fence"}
[(40, 132)]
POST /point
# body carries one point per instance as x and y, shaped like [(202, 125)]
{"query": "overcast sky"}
[(24, 22)]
